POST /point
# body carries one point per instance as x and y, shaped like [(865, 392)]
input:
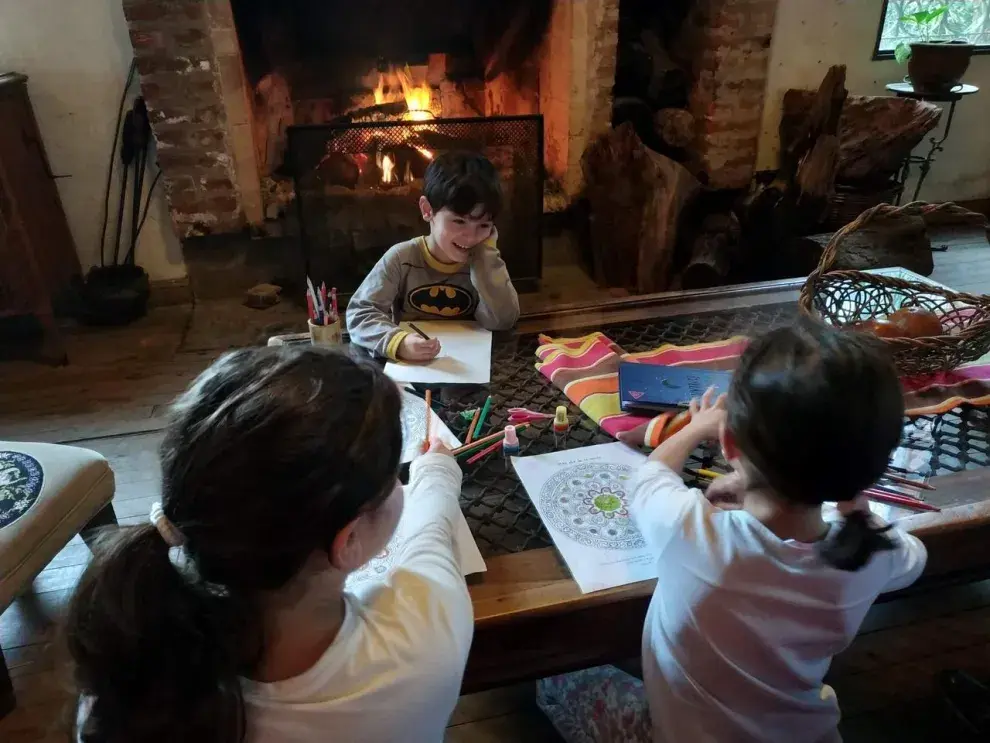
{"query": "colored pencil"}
[(920, 484), (474, 422), (897, 491), (710, 474), (482, 442), (429, 418), (484, 414), (899, 500), (484, 452), (419, 332)]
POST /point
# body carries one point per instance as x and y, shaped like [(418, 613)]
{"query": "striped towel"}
[(586, 369)]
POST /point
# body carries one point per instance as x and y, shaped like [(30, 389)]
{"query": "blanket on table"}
[(586, 369)]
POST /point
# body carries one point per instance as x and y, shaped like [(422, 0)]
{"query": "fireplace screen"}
[(358, 185)]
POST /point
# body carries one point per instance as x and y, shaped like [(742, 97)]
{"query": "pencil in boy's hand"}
[(419, 332), (429, 418)]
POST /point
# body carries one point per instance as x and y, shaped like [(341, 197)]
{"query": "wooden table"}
[(531, 620)]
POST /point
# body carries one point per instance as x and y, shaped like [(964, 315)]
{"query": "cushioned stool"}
[(48, 494)]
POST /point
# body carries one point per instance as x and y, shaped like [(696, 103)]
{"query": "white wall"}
[(811, 35), (76, 54)]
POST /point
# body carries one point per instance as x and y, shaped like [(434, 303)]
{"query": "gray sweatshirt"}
[(408, 283)]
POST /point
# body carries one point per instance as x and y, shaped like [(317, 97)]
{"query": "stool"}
[(48, 494)]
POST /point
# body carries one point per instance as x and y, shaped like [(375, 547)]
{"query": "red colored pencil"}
[(484, 452), (899, 500), (920, 484)]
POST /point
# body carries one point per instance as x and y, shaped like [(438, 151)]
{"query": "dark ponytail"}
[(816, 411), (268, 455), (157, 655), (855, 542)]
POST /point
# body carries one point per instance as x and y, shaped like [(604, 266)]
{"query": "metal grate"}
[(497, 507), (349, 215)]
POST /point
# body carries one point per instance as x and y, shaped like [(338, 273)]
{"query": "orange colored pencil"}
[(474, 424), (482, 442), (429, 418)]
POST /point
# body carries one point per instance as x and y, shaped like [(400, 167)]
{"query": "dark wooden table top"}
[(532, 620)]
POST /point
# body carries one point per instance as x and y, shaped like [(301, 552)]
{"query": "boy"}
[(453, 273)]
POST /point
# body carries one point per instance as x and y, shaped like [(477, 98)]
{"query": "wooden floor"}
[(112, 399)]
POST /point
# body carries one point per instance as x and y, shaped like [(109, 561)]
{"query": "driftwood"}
[(635, 197), (712, 253), (675, 126), (890, 241), (876, 133)]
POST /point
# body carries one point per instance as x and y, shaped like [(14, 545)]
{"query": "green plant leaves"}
[(902, 53)]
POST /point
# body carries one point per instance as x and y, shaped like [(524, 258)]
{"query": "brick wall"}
[(176, 60), (728, 42)]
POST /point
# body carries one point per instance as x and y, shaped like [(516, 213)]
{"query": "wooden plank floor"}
[(113, 397)]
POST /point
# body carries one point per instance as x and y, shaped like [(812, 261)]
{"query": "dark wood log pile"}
[(636, 197)]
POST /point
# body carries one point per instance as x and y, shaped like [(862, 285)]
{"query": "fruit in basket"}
[(880, 327), (916, 323)]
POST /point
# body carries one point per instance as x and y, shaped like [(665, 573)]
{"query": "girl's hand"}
[(438, 447), (707, 415), (726, 492)]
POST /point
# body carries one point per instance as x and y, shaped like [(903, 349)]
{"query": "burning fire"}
[(418, 98), (388, 169)]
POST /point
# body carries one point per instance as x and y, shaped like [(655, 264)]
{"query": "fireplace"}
[(357, 188), (225, 80)]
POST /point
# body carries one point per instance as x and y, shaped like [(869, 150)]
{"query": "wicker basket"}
[(845, 297)]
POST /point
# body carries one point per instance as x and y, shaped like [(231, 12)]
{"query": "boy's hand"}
[(707, 415), (414, 348)]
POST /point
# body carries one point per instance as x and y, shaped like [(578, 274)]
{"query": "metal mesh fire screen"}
[(498, 510), (358, 185)]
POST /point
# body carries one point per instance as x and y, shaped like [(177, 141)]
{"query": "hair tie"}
[(170, 532)]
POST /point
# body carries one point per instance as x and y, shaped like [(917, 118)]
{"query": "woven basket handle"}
[(914, 209)]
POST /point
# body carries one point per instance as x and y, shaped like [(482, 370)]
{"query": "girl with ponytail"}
[(225, 619), (753, 601)]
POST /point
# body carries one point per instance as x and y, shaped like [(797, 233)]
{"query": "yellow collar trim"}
[(436, 265)]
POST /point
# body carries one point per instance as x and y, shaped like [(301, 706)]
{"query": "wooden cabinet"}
[(38, 257)]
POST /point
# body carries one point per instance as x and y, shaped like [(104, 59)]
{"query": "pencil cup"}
[(325, 335)]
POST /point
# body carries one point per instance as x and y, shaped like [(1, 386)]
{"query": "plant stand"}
[(924, 163)]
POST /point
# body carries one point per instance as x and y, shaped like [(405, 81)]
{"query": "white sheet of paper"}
[(465, 356), (414, 427), (583, 496), (378, 568)]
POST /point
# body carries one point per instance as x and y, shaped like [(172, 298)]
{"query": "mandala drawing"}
[(21, 480), (413, 417), (590, 504)]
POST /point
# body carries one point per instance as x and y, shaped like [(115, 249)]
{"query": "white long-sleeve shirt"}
[(743, 625), (394, 671)]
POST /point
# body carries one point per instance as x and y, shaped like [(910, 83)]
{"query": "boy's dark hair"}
[(817, 412), (269, 454), (460, 181)]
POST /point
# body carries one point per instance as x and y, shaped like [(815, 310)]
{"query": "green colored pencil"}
[(484, 414)]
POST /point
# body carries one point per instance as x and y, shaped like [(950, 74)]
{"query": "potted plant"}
[(934, 65)]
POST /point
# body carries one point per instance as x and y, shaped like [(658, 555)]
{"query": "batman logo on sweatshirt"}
[(442, 300)]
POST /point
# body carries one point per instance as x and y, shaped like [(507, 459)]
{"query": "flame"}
[(380, 90), (388, 169), (424, 152), (418, 97)]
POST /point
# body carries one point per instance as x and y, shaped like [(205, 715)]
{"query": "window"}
[(965, 19)]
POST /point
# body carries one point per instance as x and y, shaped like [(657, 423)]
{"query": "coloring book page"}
[(414, 427), (582, 496), (465, 356), (378, 568)]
